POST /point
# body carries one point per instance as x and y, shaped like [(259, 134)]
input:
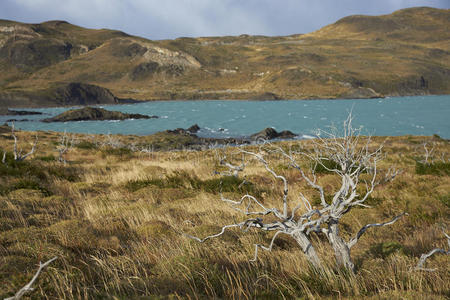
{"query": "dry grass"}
[(116, 227)]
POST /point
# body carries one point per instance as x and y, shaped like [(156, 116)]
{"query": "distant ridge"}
[(403, 53)]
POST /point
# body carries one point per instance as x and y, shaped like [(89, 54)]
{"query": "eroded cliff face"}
[(404, 53)]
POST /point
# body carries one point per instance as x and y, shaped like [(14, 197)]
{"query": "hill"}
[(403, 53)]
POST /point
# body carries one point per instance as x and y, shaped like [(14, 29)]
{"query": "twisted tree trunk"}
[(307, 248), (340, 247)]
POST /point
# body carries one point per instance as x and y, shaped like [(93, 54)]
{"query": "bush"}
[(24, 184), (47, 158)]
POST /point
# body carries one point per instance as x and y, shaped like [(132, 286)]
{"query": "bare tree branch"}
[(27, 287), (65, 145), (18, 152), (425, 256), (354, 240), (346, 155)]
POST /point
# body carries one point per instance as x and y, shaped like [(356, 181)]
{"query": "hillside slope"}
[(404, 53)]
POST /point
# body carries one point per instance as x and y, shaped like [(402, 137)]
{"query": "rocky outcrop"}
[(270, 134), (181, 138), (11, 112), (76, 93), (194, 128), (71, 94), (94, 114), (32, 54)]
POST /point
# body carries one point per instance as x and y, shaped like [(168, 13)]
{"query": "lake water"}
[(419, 115)]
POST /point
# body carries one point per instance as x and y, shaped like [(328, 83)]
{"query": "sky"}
[(168, 19)]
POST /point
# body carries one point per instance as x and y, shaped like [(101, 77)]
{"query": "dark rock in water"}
[(180, 131), (194, 128), (94, 114), (22, 112), (76, 93), (17, 120), (286, 134), (270, 134)]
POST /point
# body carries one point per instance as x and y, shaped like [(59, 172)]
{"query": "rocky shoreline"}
[(94, 114), (188, 139)]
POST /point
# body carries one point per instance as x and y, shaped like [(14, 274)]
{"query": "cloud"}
[(158, 19)]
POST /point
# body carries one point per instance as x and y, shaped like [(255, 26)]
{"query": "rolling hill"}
[(403, 53)]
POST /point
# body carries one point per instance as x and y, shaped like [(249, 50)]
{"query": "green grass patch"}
[(47, 158), (383, 250), (437, 168), (86, 145), (445, 199), (117, 151), (24, 184), (326, 165), (184, 180)]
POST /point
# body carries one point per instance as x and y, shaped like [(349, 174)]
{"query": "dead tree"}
[(18, 156), (428, 156), (65, 145), (423, 258), (28, 287), (345, 154)]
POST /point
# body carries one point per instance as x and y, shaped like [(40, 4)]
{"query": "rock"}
[(270, 134), (180, 131), (144, 70), (32, 54), (22, 112), (76, 93), (286, 134), (94, 114), (194, 128), (16, 120)]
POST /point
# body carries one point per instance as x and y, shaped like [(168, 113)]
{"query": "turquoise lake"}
[(418, 115)]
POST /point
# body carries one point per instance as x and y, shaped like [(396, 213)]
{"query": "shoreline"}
[(4, 109)]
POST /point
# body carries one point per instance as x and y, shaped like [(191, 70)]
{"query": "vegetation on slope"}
[(404, 53), (115, 218)]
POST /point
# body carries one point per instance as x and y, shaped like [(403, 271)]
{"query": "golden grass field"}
[(115, 220)]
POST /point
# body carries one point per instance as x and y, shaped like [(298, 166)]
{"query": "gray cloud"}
[(159, 19)]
